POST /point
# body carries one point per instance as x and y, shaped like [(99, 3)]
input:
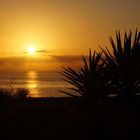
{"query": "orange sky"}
[(58, 28)]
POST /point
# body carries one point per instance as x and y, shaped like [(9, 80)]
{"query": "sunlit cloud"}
[(42, 51), (66, 58), (38, 51), (53, 62)]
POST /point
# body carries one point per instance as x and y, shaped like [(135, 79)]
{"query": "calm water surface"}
[(40, 84)]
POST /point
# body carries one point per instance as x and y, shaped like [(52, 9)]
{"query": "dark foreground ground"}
[(68, 118)]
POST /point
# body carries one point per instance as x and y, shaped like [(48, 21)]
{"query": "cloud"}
[(53, 62), (42, 51), (21, 63), (38, 51), (66, 58), (17, 60), (50, 58)]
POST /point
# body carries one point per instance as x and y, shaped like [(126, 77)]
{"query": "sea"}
[(39, 84)]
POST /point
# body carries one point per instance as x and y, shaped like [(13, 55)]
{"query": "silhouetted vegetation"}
[(101, 76), (108, 73), (123, 65), (110, 80), (88, 81), (11, 92)]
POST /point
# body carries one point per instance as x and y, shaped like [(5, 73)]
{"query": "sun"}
[(31, 50)]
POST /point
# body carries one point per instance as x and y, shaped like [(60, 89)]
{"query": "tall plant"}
[(88, 80), (110, 72), (123, 64)]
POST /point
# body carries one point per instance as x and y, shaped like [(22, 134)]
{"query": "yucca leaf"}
[(81, 92), (119, 44), (127, 44), (67, 93), (90, 59), (85, 63), (135, 39), (113, 47)]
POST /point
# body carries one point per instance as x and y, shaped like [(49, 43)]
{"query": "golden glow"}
[(34, 34), (32, 83), (32, 74), (31, 50)]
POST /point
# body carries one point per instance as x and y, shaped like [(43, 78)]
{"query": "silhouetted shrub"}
[(6, 92), (107, 73), (21, 93), (88, 80), (123, 65)]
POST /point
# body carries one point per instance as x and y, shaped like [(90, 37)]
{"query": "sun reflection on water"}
[(32, 83)]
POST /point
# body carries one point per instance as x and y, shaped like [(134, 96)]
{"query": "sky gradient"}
[(60, 30)]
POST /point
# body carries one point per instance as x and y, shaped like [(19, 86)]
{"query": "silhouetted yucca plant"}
[(123, 64), (88, 80)]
